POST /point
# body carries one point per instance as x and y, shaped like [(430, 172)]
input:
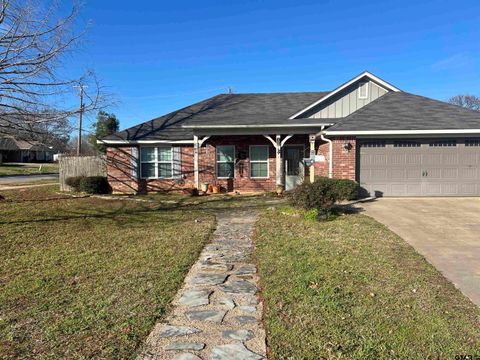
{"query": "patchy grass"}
[(88, 277), (350, 288), (7, 169)]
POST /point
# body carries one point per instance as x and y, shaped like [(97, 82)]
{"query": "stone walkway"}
[(217, 314)]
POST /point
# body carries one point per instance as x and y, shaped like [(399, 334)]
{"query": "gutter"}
[(254, 126), (321, 133)]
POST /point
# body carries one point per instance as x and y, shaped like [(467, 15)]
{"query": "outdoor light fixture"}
[(347, 146)]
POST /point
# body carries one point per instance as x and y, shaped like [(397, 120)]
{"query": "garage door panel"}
[(450, 173), (439, 167), (396, 174), (468, 173), (413, 159), (432, 159)]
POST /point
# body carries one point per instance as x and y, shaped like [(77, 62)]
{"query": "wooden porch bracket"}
[(279, 172)]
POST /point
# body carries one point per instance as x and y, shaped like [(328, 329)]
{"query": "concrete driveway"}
[(446, 231)]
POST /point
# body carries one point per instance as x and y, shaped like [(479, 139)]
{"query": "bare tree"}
[(471, 102), (33, 42)]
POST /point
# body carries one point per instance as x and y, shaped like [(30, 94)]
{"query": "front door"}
[(294, 170)]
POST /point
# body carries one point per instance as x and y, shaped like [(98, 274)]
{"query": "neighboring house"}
[(15, 150), (392, 142)]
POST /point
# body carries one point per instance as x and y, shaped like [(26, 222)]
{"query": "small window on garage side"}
[(363, 90), (406, 143), (472, 142), (225, 161), (373, 144), (443, 143), (259, 161)]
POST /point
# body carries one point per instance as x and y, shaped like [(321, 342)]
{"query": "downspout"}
[(330, 152)]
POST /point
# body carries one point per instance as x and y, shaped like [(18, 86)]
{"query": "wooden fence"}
[(81, 166)]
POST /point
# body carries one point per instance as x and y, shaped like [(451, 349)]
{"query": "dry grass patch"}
[(350, 288), (83, 278)]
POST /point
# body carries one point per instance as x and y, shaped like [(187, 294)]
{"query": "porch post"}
[(195, 161), (278, 164), (312, 156)]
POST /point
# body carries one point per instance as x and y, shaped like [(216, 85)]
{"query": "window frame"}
[(259, 161), (360, 85), (224, 162), (156, 162)]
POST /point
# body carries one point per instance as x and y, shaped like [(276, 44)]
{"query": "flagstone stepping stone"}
[(236, 351), (248, 308), (241, 335), (170, 331), (239, 287), (246, 319), (246, 269), (195, 297), (208, 279), (227, 302), (185, 346), (207, 315), (217, 267), (186, 356)]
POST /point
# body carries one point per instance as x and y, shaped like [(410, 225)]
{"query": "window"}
[(406, 143), (363, 90), (373, 144), (225, 161), (443, 143), (156, 162), (259, 161), (472, 142)]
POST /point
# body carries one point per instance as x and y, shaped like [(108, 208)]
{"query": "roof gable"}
[(398, 111), (328, 98)]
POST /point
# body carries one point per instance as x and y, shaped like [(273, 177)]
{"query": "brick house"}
[(392, 142)]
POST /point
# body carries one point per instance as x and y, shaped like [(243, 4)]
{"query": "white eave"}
[(256, 126), (123, 142), (372, 77), (404, 132)]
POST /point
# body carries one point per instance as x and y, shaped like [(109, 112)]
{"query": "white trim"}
[(156, 162), (258, 161), (113, 142), (254, 126), (224, 162), (348, 83), (360, 84), (403, 132)]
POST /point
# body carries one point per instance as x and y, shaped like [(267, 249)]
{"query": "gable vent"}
[(363, 90)]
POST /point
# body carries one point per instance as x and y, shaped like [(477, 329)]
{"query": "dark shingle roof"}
[(235, 109), (404, 111)]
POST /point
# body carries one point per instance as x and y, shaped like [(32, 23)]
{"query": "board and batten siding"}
[(347, 101)]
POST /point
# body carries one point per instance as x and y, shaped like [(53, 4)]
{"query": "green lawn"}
[(83, 278), (350, 288), (7, 169)]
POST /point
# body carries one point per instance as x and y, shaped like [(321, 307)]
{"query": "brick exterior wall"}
[(344, 161), (121, 167)]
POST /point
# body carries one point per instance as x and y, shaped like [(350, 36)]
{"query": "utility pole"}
[(80, 115)]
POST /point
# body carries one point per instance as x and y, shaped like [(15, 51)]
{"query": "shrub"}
[(95, 185), (322, 195), (74, 182)]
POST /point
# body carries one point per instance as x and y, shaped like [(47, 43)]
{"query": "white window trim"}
[(156, 162), (259, 161), (360, 85), (224, 162)]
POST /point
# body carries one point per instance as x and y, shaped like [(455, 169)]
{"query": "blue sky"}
[(158, 56)]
